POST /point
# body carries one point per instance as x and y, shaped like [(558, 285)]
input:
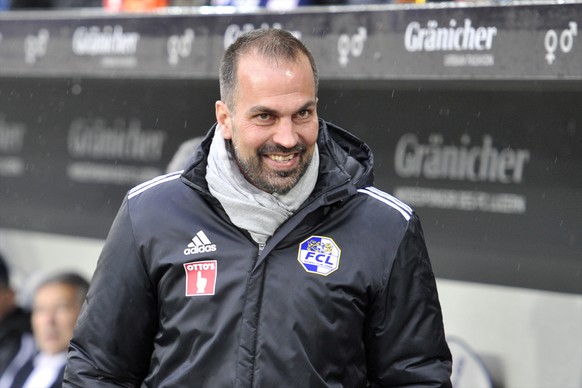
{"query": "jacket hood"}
[(343, 158), (345, 153)]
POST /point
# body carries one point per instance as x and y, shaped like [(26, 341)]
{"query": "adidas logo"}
[(200, 244)]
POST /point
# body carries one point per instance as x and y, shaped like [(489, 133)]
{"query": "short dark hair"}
[(69, 278), (272, 43), (4, 273)]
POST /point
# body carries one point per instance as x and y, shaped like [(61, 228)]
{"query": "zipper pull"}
[(261, 246)]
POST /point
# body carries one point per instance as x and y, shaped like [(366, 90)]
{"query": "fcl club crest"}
[(201, 277), (319, 255)]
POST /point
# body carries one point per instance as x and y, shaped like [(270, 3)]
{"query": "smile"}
[(281, 158)]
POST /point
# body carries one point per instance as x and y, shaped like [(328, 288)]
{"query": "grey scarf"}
[(248, 207)]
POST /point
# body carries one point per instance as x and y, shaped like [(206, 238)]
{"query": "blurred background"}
[(473, 111)]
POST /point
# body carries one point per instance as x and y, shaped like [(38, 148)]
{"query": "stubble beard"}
[(271, 181)]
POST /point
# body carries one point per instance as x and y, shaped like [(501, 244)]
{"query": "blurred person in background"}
[(16, 341), (57, 301), (183, 154)]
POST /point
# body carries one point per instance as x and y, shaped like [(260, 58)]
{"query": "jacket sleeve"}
[(405, 336), (113, 338)]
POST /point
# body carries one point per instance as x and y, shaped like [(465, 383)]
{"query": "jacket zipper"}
[(261, 246)]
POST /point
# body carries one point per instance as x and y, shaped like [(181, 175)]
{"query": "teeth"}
[(280, 158)]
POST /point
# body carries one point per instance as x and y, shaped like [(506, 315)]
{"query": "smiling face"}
[(273, 126)]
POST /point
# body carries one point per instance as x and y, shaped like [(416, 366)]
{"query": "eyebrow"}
[(264, 109)]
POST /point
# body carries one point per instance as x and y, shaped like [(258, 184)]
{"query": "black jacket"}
[(12, 328), (342, 295)]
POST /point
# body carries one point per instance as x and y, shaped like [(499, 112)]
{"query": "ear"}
[(224, 119)]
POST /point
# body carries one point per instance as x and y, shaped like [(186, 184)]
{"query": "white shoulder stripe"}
[(153, 182), (147, 183), (389, 200)]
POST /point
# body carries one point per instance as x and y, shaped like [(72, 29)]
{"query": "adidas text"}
[(200, 249)]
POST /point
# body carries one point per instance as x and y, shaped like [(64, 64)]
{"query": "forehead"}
[(255, 66), (267, 81), (53, 292)]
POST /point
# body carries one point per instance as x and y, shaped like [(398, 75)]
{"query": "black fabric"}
[(12, 328), (4, 273)]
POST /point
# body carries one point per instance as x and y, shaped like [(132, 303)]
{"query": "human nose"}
[(285, 134), (46, 316)]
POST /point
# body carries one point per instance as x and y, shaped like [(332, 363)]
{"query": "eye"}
[(302, 114), (264, 116)]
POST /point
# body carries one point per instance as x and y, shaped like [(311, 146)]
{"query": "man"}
[(270, 261), (55, 308), (16, 342)]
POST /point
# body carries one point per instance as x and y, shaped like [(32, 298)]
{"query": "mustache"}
[(276, 148)]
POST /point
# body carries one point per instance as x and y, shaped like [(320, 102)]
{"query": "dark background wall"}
[(489, 152)]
